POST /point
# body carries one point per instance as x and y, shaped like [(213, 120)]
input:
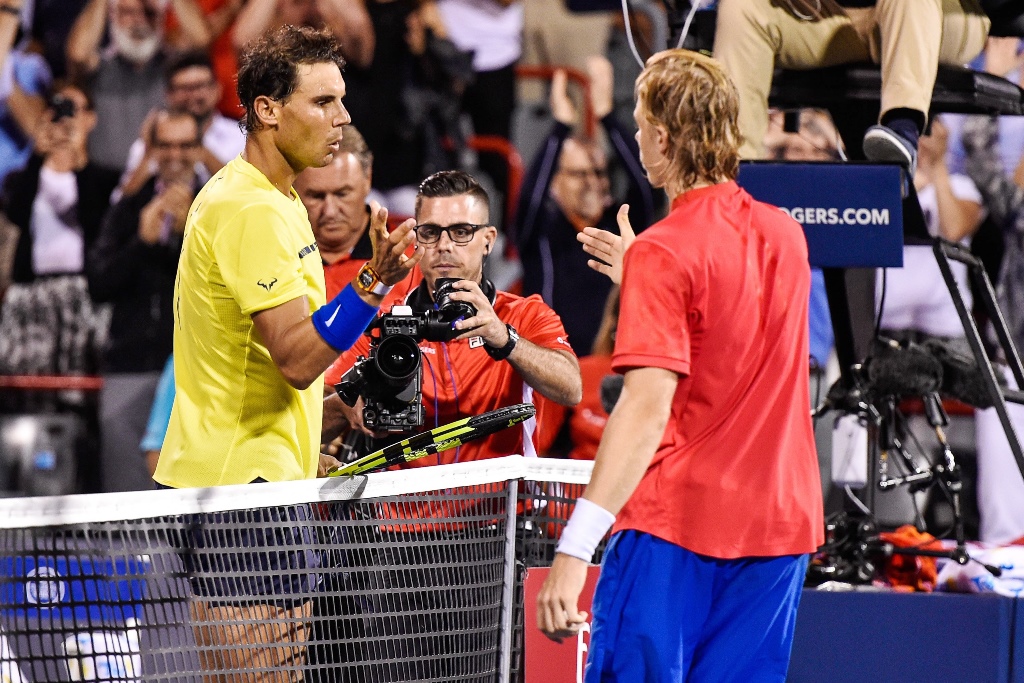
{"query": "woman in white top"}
[(48, 324), (917, 300)]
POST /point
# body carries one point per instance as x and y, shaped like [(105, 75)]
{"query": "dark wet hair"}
[(268, 67)]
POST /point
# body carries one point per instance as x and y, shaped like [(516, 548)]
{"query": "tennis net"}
[(398, 576)]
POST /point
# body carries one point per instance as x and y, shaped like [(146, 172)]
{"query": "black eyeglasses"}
[(460, 233)]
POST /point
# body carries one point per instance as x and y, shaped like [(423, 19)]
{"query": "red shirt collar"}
[(723, 190)]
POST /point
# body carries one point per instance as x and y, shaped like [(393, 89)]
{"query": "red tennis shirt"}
[(717, 293), (460, 379)]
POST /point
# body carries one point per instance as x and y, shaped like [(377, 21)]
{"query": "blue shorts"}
[(664, 614)]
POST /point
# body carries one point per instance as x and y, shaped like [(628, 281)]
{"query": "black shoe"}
[(882, 143)]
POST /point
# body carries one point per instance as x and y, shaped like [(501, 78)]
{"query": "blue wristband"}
[(341, 320)]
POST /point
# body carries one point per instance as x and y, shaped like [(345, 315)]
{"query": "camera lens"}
[(450, 310), (397, 359), (443, 288)]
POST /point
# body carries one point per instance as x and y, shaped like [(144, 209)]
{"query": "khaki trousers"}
[(257, 643), (907, 38)]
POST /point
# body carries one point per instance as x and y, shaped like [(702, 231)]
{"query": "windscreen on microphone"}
[(962, 379), (903, 370)]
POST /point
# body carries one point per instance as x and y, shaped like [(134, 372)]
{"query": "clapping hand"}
[(562, 108)]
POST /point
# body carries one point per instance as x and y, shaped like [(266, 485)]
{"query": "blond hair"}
[(691, 97)]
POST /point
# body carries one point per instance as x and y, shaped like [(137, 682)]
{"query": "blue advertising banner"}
[(852, 213), (76, 589)]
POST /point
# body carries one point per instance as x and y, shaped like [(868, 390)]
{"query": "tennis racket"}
[(439, 439)]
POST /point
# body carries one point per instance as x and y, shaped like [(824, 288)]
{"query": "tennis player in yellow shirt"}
[(253, 336)]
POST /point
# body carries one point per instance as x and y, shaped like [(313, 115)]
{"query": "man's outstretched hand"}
[(607, 248), (557, 616)]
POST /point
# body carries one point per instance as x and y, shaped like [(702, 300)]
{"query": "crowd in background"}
[(114, 113)]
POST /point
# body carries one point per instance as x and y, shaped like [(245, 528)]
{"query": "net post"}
[(508, 590)]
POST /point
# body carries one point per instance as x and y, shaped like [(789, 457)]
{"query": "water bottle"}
[(104, 655)]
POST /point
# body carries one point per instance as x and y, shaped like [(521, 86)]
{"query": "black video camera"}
[(389, 379)]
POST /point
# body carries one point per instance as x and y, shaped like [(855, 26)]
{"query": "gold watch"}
[(369, 282)]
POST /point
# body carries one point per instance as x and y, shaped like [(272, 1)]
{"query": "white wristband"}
[(587, 526)]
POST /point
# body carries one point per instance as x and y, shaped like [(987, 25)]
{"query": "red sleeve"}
[(657, 313), (534, 320)]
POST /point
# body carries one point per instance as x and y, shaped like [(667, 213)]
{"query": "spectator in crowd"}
[(51, 23), (566, 189), (126, 80), (347, 19), (220, 21), (908, 38), (132, 266), (511, 348), (407, 98), (159, 417), (24, 81), (917, 301), (492, 31), (49, 324), (335, 197), (191, 89), (554, 35), (1000, 489), (1002, 57)]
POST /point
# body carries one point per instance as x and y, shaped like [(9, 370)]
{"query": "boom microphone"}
[(962, 379), (898, 370)]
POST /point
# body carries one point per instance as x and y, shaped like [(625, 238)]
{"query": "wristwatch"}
[(506, 350), (369, 281)]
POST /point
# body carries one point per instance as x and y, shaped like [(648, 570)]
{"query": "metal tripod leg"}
[(944, 251)]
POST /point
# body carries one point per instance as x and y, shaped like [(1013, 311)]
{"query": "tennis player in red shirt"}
[(707, 465)]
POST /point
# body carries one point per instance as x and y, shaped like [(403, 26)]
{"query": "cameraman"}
[(509, 348)]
